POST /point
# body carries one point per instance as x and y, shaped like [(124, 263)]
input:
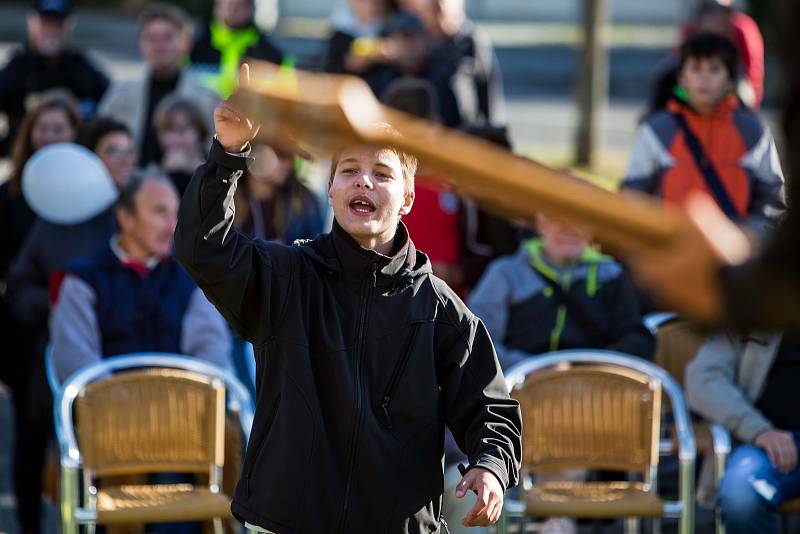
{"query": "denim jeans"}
[(752, 490)]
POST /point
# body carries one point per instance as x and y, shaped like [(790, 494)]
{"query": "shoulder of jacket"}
[(749, 126), (453, 309)]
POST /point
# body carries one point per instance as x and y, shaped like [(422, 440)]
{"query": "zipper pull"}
[(374, 275), (385, 406)]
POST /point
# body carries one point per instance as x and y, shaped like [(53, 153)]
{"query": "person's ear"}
[(124, 219), (408, 201), (330, 193), (186, 42)]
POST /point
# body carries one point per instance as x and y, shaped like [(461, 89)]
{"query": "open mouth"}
[(362, 205)]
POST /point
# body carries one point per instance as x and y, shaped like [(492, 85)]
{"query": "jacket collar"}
[(359, 262), (726, 106), (341, 255), (115, 254)]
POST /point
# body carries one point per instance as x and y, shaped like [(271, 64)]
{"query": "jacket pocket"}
[(395, 376)]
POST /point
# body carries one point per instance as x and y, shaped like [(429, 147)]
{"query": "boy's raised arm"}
[(247, 280)]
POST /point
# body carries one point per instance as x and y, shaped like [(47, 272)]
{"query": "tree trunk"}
[(593, 79)]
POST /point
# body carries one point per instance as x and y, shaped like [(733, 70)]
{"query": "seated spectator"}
[(163, 41), (273, 203), (183, 137), (47, 61), (557, 293), (458, 237), (131, 295), (356, 45), (54, 119), (462, 66), (724, 19), (112, 142), (747, 384), (435, 222), (221, 45), (706, 140), (486, 235), (50, 245), (47, 248), (405, 44)]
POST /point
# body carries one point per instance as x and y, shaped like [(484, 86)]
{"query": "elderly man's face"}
[(47, 34), (151, 227)]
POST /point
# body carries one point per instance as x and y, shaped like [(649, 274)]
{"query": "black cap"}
[(405, 23), (52, 8)]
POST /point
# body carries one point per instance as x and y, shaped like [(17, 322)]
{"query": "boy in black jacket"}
[(362, 355)]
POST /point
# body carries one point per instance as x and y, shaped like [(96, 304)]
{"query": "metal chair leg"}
[(631, 525), (69, 500), (655, 526)]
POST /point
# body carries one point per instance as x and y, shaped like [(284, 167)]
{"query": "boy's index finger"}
[(244, 75)]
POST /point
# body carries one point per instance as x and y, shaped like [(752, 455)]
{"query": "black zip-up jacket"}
[(361, 360)]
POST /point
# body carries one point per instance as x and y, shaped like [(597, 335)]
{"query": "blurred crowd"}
[(109, 285)]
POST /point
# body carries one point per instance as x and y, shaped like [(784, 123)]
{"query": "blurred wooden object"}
[(328, 112)]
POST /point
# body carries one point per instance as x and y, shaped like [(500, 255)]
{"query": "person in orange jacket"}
[(706, 140)]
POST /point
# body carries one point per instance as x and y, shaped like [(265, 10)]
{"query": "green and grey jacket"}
[(525, 316)]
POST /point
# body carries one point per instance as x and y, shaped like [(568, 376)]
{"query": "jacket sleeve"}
[(204, 333), (74, 332), (485, 421), (247, 280), (110, 104), (97, 80), (488, 81), (490, 300), (712, 392), (767, 199), (648, 157), (11, 90), (27, 284), (629, 334)]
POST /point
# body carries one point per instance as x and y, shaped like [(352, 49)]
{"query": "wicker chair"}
[(165, 413), (598, 410), (677, 344)]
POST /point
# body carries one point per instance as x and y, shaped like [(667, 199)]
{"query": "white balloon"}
[(65, 183)]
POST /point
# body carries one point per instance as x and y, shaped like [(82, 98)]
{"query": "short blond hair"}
[(408, 162)]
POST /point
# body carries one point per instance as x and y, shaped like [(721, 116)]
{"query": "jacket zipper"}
[(396, 374), (372, 282)]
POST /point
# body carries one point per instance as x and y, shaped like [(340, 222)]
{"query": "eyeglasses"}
[(118, 152)]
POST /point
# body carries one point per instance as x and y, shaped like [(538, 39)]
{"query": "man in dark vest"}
[(131, 295)]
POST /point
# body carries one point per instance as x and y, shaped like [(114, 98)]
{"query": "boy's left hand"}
[(490, 497)]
